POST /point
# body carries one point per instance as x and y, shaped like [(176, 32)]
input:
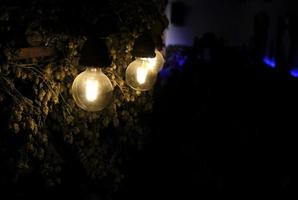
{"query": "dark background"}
[(226, 123), (223, 124)]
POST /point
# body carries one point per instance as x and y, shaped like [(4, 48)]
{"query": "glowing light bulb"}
[(92, 90), (156, 64), (142, 74), (152, 63), (139, 75)]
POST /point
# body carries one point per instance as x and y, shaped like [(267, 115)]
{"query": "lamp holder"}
[(144, 46), (95, 53)]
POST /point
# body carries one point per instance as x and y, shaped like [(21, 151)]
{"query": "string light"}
[(141, 73), (92, 90)]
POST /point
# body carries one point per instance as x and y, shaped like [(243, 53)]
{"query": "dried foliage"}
[(41, 127)]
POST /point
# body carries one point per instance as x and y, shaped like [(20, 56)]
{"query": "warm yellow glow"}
[(151, 63), (141, 75), (92, 88), (155, 64)]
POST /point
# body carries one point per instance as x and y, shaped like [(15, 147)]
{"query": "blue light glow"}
[(270, 62), (181, 60), (165, 73), (294, 72)]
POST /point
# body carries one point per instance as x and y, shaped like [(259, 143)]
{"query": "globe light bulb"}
[(156, 63), (139, 74), (92, 90)]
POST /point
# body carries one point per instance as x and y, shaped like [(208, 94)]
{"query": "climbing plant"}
[(41, 127)]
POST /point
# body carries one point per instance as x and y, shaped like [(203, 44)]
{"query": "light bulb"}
[(92, 90), (156, 64), (139, 75)]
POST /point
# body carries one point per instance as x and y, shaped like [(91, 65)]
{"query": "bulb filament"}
[(92, 87), (141, 75)]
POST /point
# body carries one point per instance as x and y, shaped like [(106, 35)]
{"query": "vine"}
[(35, 98)]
